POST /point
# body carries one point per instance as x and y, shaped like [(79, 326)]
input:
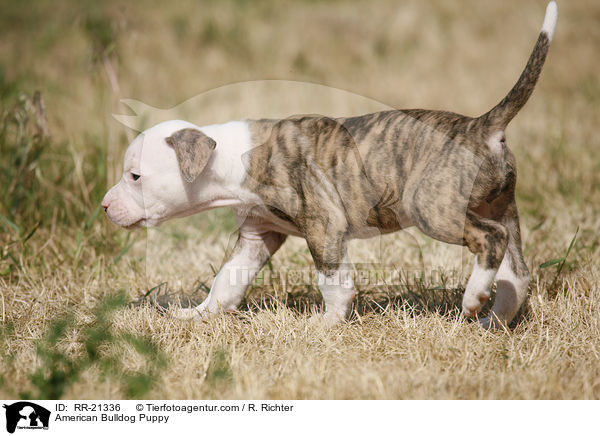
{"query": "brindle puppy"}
[(330, 180)]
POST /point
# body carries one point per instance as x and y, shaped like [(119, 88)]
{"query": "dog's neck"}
[(220, 184)]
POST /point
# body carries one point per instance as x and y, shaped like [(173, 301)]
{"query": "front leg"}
[(334, 275), (337, 287), (250, 253)]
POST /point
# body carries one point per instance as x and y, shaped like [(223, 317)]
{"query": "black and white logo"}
[(26, 415)]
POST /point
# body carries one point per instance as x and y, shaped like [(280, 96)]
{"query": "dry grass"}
[(462, 56)]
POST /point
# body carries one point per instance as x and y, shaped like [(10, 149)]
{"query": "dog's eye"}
[(135, 176)]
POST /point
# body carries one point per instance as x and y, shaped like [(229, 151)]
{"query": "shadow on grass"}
[(306, 300)]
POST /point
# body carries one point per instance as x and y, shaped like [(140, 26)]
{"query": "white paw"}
[(188, 314), (477, 291), (326, 320), (472, 304)]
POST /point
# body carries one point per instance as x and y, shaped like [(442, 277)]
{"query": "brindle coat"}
[(334, 179)]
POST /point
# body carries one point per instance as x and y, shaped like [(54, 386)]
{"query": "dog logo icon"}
[(26, 415)]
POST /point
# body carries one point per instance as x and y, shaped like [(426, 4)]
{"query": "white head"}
[(165, 171)]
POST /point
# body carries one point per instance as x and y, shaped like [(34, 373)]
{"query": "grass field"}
[(60, 258)]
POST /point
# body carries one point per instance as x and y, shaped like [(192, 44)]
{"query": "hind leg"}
[(512, 277), (488, 240), (452, 222)]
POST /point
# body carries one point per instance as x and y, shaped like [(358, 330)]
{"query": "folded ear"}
[(193, 149)]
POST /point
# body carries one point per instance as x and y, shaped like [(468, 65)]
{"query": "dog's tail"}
[(499, 117)]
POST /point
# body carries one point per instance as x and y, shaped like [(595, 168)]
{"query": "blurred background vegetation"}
[(85, 55)]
